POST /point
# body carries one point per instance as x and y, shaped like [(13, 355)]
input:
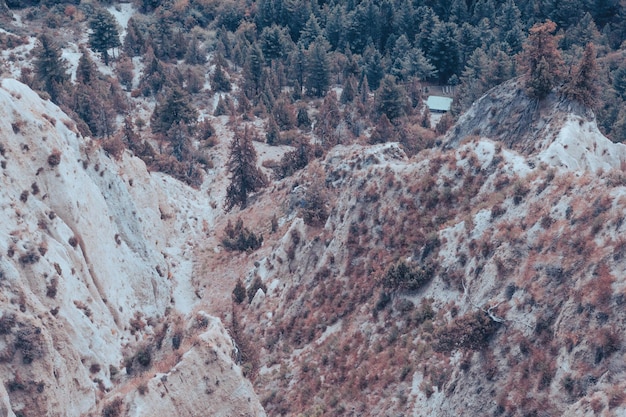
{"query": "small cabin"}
[(439, 104)]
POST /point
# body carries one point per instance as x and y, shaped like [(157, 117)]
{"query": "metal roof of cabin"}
[(439, 103)]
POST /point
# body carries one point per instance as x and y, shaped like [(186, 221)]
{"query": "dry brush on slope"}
[(522, 296)]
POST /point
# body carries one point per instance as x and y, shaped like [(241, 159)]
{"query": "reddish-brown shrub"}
[(73, 241), (113, 409), (114, 146), (54, 158), (471, 331)]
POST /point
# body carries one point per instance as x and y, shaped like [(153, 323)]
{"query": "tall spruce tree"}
[(219, 80), (444, 51), (253, 72), (584, 32), (195, 55), (86, 71), (310, 32), (619, 81), (104, 33), (372, 66), (274, 42), (50, 68), (245, 176), (483, 9), (327, 121), (541, 60), (335, 26), (581, 86), (134, 42), (390, 98), (318, 68), (473, 79), (176, 108), (510, 27)]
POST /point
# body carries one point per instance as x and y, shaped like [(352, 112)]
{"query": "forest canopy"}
[(326, 71)]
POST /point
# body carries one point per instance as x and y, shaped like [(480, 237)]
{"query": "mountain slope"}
[(94, 274), (477, 279)]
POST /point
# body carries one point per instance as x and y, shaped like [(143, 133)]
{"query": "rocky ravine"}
[(483, 277), (97, 312)]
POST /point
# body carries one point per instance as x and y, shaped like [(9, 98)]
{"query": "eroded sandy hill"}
[(97, 306)]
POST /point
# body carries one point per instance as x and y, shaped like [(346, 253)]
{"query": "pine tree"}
[(363, 26), (510, 26), (219, 80), (153, 78), (86, 71), (483, 9), (314, 211), (163, 38), (318, 68), (194, 79), (426, 118), (584, 32), (104, 34), (444, 52), (243, 105), (619, 81), (245, 176), (274, 42), (541, 60), (486, 32), (221, 108), (86, 105), (295, 15), (195, 55), (272, 132), (582, 85), (618, 129), (501, 66), (176, 108), (302, 118), (134, 42), (310, 32), (178, 136), (473, 79), (564, 13), (542, 81), (364, 92), (297, 68), (239, 292), (349, 90), (335, 26), (469, 39), (129, 136), (372, 66), (383, 132), (50, 68), (390, 98), (253, 72), (428, 20), (327, 121), (415, 64), (458, 12), (296, 159), (124, 72), (284, 113), (604, 11), (400, 48)]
